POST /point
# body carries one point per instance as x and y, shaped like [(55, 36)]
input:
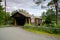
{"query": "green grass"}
[(43, 33), (3, 26)]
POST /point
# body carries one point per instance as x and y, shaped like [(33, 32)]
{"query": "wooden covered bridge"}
[(21, 19)]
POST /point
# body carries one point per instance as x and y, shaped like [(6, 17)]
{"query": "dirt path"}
[(16, 33)]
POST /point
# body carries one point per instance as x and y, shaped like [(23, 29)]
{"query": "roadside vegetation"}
[(5, 17), (42, 32), (48, 23), (49, 31)]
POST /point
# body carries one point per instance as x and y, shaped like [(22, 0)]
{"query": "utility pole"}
[(5, 13)]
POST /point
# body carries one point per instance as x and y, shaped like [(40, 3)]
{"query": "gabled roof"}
[(25, 14)]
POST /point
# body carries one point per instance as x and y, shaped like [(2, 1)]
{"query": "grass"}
[(43, 33), (3, 26)]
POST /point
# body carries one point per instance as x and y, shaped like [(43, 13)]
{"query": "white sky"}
[(27, 5)]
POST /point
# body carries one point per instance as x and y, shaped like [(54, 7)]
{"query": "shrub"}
[(51, 28), (27, 25), (57, 26)]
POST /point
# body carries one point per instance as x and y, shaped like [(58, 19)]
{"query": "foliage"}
[(55, 4), (13, 12), (8, 18), (3, 19), (49, 16), (57, 26), (27, 25), (52, 30), (52, 2), (21, 11), (1, 14), (0, 0), (43, 15), (38, 2)]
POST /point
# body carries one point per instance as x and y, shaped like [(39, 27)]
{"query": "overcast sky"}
[(27, 5)]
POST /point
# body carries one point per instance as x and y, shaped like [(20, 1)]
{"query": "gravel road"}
[(17, 33)]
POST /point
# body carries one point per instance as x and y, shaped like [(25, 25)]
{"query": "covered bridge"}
[(21, 19)]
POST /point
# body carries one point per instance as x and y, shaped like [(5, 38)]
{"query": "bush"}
[(57, 26), (48, 29), (27, 25), (30, 26), (52, 28)]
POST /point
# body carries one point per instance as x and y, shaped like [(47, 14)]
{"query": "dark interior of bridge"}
[(20, 21)]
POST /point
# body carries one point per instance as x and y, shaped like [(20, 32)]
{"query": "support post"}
[(37, 21), (26, 20), (29, 20), (15, 22)]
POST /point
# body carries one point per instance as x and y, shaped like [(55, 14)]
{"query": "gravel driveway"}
[(17, 33)]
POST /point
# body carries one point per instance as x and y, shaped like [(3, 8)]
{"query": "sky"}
[(28, 5)]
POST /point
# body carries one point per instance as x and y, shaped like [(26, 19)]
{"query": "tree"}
[(49, 16), (2, 15), (20, 10), (55, 3), (44, 15), (8, 17), (0, 0), (23, 11)]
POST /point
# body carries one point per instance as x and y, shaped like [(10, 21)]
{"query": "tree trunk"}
[(56, 7)]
